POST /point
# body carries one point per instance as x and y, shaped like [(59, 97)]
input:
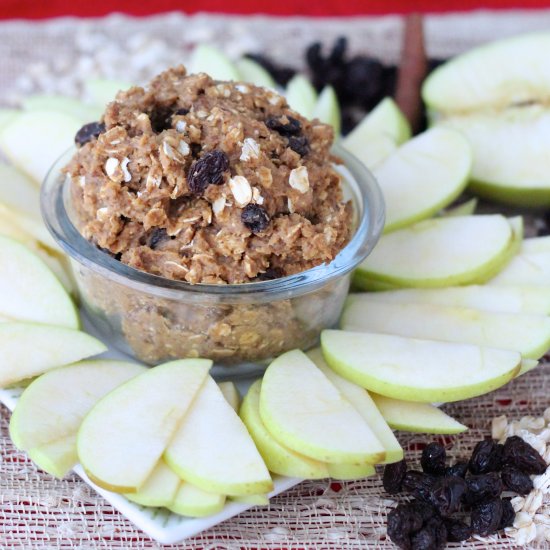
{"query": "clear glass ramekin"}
[(239, 326)]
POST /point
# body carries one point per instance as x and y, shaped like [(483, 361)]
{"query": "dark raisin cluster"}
[(445, 495), (209, 169), (88, 132), (290, 128)]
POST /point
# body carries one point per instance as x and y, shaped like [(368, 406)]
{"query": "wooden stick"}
[(412, 70)]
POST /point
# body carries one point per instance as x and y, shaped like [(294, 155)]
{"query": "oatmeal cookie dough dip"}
[(217, 183), (209, 182)]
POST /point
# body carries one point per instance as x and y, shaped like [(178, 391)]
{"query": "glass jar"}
[(239, 326)]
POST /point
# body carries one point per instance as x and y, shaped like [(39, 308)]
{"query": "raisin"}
[(486, 517), (447, 494), (486, 457), (459, 469), (299, 144), (521, 455), (457, 530), (156, 236), (433, 459), (393, 476), (419, 484), (508, 514), (517, 481), (284, 125), (180, 112), (208, 169), (89, 132), (432, 536), (423, 509), (255, 218), (482, 488), (402, 522)]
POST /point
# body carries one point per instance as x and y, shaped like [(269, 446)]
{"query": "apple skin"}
[(56, 458), (344, 472), (255, 500), (278, 458), (160, 488), (194, 502), (530, 197), (301, 95)]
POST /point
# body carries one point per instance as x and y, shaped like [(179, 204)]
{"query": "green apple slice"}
[(410, 416), (526, 270), (301, 95), (231, 394), (254, 500), (213, 450), (366, 407), (160, 488), (511, 299), (210, 60), (102, 91), (57, 457), (440, 252), (376, 150), (123, 437), (304, 411), (59, 266), (30, 291), (30, 349), (535, 245), (509, 71), (194, 502), (467, 208), (33, 141), (253, 72), (418, 370), (343, 472), (327, 109), (385, 120), (527, 365), (19, 192), (424, 175), (510, 147), (63, 104), (525, 333), (278, 458)]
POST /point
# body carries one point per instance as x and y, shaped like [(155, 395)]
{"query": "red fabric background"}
[(38, 9)]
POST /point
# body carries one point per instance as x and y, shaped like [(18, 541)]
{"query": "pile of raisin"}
[(443, 496)]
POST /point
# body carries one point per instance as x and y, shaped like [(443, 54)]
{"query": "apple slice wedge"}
[(19, 192), (33, 141), (50, 410), (409, 416), (278, 458), (231, 394), (346, 472), (528, 334), (30, 291), (254, 500), (301, 95), (327, 110), (418, 370), (526, 269), (102, 91), (63, 104), (194, 502), (511, 299), (423, 176), (30, 349), (211, 60), (366, 407), (159, 490), (304, 411), (122, 438), (440, 252), (251, 71), (527, 365), (213, 450), (535, 245), (467, 208)]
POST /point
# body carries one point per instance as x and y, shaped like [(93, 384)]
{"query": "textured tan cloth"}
[(38, 512)]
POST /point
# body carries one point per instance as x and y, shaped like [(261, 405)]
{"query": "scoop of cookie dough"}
[(209, 182)]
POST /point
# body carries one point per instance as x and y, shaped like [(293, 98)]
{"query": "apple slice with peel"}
[(303, 410), (213, 450), (343, 472), (416, 417), (278, 458), (424, 175), (30, 291), (376, 150), (33, 141), (194, 502), (255, 500), (63, 104), (526, 333), (526, 269), (418, 370), (102, 91), (511, 299), (29, 349), (527, 365), (509, 71), (253, 72), (440, 252), (56, 457), (211, 60), (365, 406), (19, 192), (160, 488), (327, 109), (301, 95), (231, 394), (467, 208), (122, 438)]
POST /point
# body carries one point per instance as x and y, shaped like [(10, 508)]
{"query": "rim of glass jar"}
[(367, 198)]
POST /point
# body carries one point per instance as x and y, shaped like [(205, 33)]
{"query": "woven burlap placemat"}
[(39, 512)]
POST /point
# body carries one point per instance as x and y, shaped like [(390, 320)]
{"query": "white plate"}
[(159, 523)]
